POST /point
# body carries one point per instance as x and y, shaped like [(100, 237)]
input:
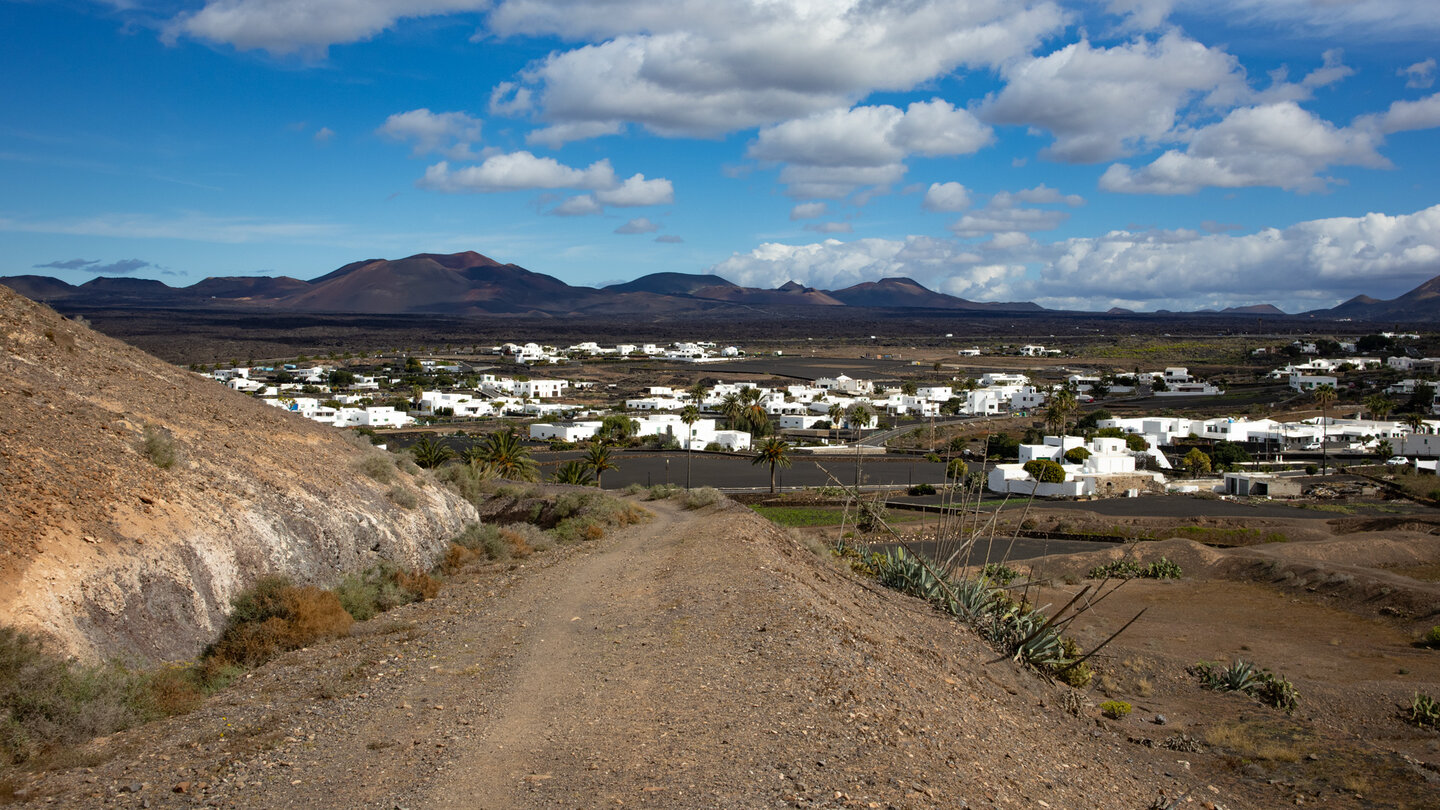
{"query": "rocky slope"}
[(111, 554)]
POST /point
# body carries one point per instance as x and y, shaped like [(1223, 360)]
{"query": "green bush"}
[(1129, 569), (1045, 471), (1424, 711), (999, 573), (1077, 455), (1115, 709), (48, 703), (159, 447), (1431, 638), (702, 497), (1241, 676), (920, 490)]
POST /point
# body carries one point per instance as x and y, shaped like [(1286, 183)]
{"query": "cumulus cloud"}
[(287, 26), (946, 197), (1280, 145), (1404, 116), (1002, 219), (1420, 75), (449, 133), (1038, 195), (1343, 255), (809, 210), (515, 171), (580, 205), (837, 182), (834, 145), (638, 225), (1104, 103), (1307, 265), (637, 191), (687, 67)]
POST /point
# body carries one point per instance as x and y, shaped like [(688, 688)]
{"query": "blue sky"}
[(1141, 153)]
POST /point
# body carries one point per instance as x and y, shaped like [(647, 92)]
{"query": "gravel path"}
[(704, 659)]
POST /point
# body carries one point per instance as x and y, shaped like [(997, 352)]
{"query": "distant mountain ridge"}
[(470, 284)]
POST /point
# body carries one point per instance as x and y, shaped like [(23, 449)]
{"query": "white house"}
[(1003, 378), (1302, 382), (845, 385), (564, 431), (1109, 469)]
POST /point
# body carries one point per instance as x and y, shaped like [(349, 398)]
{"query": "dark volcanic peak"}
[(38, 288), (1253, 309), (1417, 305), (247, 287), (671, 284)]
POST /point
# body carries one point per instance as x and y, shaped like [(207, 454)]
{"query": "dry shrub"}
[(158, 446), (403, 497), (419, 583), (1250, 741), (378, 465), (457, 557), (275, 616), (515, 539)]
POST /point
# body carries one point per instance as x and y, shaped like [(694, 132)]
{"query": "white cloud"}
[(638, 225), (515, 171), (1341, 256), (1420, 75), (1404, 116), (637, 191), (449, 133), (287, 26), (1001, 219), (1277, 145), (560, 134), (836, 182), (324, 135), (837, 144), (580, 205), (1038, 195), (1307, 265), (189, 227), (1368, 19), (830, 227), (809, 210), (683, 67), (833, 264), (509, 98), (669, 239), (946, 197), (1103, 103)]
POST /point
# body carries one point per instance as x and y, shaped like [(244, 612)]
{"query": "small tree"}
[(1196, 462), (598, 460), (956, 469), (1077, 455), (1045, 471), (573, 472), (775, 452), (689, 415), (503, 452)]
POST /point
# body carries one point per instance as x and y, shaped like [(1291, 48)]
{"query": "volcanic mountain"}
[(1420, 304), (139, 498), (905, 292)]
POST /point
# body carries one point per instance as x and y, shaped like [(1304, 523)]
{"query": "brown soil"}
[(705, 659)]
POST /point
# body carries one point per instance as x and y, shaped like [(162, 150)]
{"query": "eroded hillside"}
[(112, 553)]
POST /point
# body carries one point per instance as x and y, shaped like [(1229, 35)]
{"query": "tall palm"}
[(1062, 404), (775, 452), (1415, 422), (859, 415), (732, 408), (598, 459), (836, 412), (504, 453), (1379, 406), (689, 415), (757, 419), (1324, 396)]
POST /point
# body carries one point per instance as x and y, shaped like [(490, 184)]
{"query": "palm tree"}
[(732, 407), (430, 453), (689, 415), (836, 412), (597, 460), (503, 452), (1415, 422), (1379, 406), (1062, 404), (573, 472), (1325, 396), (757, 420), (775, 452), (859, 415), (909, 388)]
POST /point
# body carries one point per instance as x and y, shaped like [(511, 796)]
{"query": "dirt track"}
[(702, 660)]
